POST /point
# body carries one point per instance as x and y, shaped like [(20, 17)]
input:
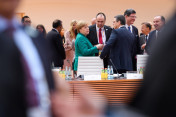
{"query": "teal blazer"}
[(83, 47)]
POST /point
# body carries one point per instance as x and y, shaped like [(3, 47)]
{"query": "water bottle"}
[(108, 71), (69, 73), (111, 72), (66, 73)]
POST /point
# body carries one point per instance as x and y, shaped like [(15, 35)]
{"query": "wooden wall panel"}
[(116, 92)]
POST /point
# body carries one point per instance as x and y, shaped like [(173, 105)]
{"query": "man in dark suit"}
[(99, 33), (25, 76), (56, 42), (158, 22), (120, 46), (130, 16), (156, 98), (145, 29)]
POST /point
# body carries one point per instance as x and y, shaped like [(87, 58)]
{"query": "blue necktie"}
[(129, 28)]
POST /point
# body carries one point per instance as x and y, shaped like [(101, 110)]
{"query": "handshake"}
[(99, 46)]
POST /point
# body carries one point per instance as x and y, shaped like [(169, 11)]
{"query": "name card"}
[(134, 76)]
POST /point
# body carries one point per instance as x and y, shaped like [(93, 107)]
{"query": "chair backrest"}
[(141, 62), (89, 66)]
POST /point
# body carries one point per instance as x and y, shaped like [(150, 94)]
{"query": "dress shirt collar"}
[(99, 28), (147, 36), (129, 26)]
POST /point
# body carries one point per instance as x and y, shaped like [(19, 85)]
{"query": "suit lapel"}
[(95, 31), (106, 33), (154, 33), (133, 30)]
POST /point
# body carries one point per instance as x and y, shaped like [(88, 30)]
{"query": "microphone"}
[(122, 75), (113, 65)]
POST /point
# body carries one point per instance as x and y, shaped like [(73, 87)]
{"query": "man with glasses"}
[(130, 16), (26, 21), (145, 29)]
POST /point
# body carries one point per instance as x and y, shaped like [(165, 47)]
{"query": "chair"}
[(89, 66)]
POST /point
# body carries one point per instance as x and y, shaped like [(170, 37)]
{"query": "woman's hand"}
[(65, 45), (100, 46)]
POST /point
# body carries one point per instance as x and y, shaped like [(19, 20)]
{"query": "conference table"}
[(116, 92)]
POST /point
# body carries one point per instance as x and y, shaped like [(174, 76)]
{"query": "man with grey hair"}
[(158, 22)]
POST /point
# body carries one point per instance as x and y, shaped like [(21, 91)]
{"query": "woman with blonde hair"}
[(83, 47), (69, 37)]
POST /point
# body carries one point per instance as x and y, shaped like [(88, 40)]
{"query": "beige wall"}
[(45, 11)]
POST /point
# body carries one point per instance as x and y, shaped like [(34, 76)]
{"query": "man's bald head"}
[(93, 21)]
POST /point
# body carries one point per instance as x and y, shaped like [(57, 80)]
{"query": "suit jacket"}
[(92, 36), (137, 49), (157, 95), (83, 47), (150, 42), (141, 42), (120, 46), (12, 77), (56, 43)]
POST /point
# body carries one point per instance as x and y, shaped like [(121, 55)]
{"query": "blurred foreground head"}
[(8, 8)]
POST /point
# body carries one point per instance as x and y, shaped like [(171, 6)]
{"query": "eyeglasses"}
[(133, 16), (27, 21)]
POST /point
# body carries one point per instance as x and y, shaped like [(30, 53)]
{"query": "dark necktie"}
[(31, 95), (146, 36), (100, 37)]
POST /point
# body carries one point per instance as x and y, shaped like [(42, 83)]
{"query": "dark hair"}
[(100, 13), (128, 12), (120, 18), (148, 25), (57, 23), (163, 19), (22, 20), (44, 31)]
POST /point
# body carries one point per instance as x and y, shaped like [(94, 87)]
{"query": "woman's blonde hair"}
[(81, 24), (72, 32)]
